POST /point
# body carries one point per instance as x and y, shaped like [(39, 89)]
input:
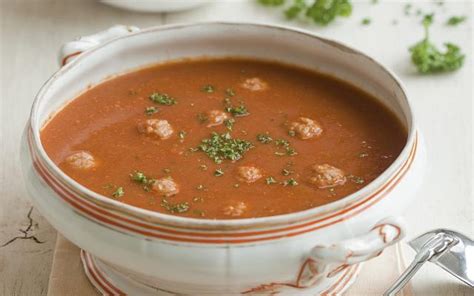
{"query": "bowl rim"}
[(35, 127)]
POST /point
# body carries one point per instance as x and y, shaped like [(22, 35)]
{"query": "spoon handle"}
[(434, 247)]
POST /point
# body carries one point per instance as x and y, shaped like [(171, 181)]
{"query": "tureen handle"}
[(330, 260), (385, 233), (72, 49)]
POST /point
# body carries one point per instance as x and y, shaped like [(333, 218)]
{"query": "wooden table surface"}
[(32, 31)]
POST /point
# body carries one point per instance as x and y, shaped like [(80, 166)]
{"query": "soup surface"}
[(223, 138)]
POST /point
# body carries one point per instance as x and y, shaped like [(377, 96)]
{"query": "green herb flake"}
[(296, 9), (356, 179), (270, 180), (119, 192), (218, 172), (177, 208), (271, 2), (151, 110), (222, 146), (366, 21), (208, 88), (455, 20), (291, 133), (428, 59), (290, 182), (324, 12), (139, 177), (407, 9), (237, 111), (229, 123), (264, 138), (162, 99), (286, 147)]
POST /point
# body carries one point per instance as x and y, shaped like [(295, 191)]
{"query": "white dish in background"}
[(155, 5)]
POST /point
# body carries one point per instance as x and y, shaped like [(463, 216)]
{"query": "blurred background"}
[(32, 32)]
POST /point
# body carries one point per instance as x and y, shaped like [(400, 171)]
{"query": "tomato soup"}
[(224, 138)]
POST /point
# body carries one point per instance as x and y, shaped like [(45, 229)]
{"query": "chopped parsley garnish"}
[(162, 99), (222, 146), (151, 110), (366, 21), (175, 208), (286, 147), (264, 138), (139, 177), (291, 133), (218, 172), (230, 92), (182, 134), (428, 59), (455, 20), (237, 111), (119, 192), (208, 88), (321, 12), (290, 182), (270, 180), (229, 123), (356, 179)]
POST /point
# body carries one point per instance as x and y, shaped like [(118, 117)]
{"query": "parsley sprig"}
[(162, 99), (428, 59), (321, 12)]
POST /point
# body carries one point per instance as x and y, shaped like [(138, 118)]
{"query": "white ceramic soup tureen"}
[(127, 250)]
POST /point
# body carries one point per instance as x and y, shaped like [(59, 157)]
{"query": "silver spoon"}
[(451, 250)]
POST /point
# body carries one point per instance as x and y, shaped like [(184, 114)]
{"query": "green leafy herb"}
[(271, 2), (324, 12), (270, 180), (237, 111), (119, 192), (428, 59), (229, 123), (139, 177), (455, 20), (208, 88), (218, 173), (151, 110), (366, 21), (356, 179), (291, 133), (295, 9), (290, 182), (222, 146), (286, 147), (162, 99), (321, 12), (177, 208), (264, 138)]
